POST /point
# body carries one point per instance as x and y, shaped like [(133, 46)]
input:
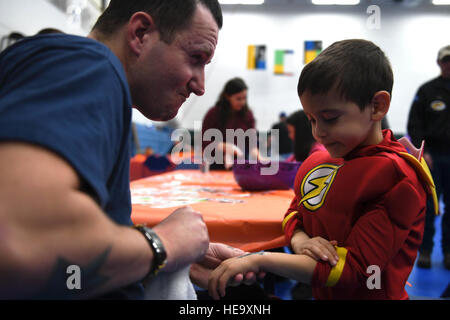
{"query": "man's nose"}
[(197, 83)]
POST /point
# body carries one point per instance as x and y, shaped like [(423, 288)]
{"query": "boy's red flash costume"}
[(373, 203)]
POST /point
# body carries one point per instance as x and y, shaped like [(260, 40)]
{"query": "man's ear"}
[(140, 26), (380, 105)]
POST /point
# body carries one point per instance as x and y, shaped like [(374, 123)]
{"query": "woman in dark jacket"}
[(230, 112)]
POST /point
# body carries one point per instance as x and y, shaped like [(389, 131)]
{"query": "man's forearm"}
[(52, 234), (75, 261)]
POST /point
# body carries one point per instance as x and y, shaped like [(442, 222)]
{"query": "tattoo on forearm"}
[(90, 279), (252, 254)]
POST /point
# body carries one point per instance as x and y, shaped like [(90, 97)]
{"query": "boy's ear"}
[(141, 28), (380, 105)]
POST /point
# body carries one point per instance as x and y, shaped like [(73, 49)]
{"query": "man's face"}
[(339, 125), (166, 74), (444, 64)]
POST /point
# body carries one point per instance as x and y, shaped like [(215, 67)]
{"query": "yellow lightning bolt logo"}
[(321, 183), (316, 185)]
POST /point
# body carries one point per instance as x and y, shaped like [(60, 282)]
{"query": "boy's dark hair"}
[(356, 68), (232, 86), (170, 16)]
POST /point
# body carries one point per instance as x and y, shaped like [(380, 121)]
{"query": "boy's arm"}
[(292, 266), (317, 248), (292, 225), (298, 238)]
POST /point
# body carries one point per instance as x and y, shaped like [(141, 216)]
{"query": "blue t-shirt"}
[(70, 95)]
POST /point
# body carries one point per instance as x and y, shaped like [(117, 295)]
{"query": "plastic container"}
[(249, 176)]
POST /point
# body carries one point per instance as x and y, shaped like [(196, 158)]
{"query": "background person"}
[(299, 130), (284, 142), (429, 120), (230, 112), (48, 31)]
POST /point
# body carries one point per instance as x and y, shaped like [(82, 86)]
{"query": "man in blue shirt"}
[(65, 116)]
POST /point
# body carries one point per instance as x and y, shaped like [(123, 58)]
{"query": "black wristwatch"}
[(159, 253)]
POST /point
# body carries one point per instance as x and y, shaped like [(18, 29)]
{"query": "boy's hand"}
[(317, 248), (224, 275), (218, 252)]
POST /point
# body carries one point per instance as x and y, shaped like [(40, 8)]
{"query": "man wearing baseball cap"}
[(429, 120)]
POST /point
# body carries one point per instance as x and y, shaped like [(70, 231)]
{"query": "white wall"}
[(30, 16), (410, 37)]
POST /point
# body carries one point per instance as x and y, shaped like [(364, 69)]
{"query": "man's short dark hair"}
[(170, 16), (356, 68)]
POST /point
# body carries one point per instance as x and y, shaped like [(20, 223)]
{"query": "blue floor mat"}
[(430, 283)]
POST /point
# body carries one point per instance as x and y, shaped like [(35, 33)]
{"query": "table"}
[(137, 167), (139, 170), (250, 221)]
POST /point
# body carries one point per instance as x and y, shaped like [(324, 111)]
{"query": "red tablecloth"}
[(247, 220)]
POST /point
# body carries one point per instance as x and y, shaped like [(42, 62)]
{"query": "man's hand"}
[(218, 252), (185, 237)]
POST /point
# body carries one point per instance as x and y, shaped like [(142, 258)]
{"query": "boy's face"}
[(339, 125)]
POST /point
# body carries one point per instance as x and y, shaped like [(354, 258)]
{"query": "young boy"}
[(357, 219)]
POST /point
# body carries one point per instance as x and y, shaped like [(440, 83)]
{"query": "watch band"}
[(159, 252)]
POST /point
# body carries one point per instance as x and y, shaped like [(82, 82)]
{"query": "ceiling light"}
[(336, 2), (441, 2), (241, 1)]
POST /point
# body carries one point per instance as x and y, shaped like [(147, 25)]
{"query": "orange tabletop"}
[(137, 167), (247, 220)]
